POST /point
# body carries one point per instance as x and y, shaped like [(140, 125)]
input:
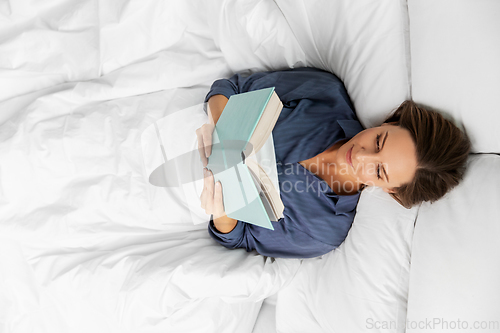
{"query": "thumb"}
[(218, 201)]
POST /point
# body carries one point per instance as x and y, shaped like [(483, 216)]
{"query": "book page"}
[(266, 124), (267, 159)]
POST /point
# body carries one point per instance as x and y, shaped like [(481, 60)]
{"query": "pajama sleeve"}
[(285, 241), (237, 84)]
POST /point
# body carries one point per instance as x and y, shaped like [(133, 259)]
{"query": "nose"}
[(367, 161), (365, 156)]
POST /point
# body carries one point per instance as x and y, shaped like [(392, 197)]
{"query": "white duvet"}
[(87, 244)]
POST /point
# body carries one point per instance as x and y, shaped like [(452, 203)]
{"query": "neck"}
[(330, 154)]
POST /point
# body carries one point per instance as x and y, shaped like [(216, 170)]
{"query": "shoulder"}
[(302, 75), (310, 73)]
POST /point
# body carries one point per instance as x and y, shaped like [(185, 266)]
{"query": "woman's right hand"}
[(216, 105), (204, 134)]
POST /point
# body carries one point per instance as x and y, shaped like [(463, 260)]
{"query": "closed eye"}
[(379, 148), (383, 169)]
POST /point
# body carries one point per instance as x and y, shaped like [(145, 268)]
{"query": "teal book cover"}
[(239, 122)]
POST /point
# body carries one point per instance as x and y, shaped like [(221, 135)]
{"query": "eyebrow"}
[(383, 169)]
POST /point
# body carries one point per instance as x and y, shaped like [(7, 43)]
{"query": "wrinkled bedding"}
[(87, 243)]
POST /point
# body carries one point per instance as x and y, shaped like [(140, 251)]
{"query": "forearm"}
[(216, 105), (225, 224)]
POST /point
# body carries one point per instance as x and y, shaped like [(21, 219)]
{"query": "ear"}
[(389, 190)]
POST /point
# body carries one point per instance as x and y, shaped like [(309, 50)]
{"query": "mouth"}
[(348, 157)]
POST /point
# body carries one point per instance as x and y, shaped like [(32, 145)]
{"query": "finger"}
[(206, 139), (203, 196), (201, 150), (218, 201), (210, 194), (203, 199)]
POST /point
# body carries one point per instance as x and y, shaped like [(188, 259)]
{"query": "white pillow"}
[(455, 262), (455, 54), (361, 283), (362, 42), (253, 35)]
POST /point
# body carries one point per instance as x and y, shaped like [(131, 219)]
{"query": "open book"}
[(244, 126)]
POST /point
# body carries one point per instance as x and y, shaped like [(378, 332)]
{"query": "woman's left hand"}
[(211, 196), (211, 201)]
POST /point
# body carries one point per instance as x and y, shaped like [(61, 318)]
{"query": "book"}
[(244, 127)]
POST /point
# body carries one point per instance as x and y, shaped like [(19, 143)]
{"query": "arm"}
[(217, 99), (285, 241), (216, 105)]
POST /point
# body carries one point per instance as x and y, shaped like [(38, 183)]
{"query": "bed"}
[(92, 91)]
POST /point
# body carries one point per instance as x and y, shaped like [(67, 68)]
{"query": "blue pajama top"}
[(316, 113)]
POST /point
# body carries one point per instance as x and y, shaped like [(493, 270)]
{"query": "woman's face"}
[(383, 156)]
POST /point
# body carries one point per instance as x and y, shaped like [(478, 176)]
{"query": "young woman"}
[(325, 158)]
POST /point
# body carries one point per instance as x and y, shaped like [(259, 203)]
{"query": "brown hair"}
[(442, 150)]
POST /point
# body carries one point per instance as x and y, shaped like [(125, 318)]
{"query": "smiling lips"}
[(348, 157)]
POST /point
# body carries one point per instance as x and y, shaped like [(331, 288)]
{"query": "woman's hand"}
[(211, 196), (211, 201), (204, 134), (216, 105)]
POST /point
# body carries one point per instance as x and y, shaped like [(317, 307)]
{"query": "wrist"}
[(225, 224)]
